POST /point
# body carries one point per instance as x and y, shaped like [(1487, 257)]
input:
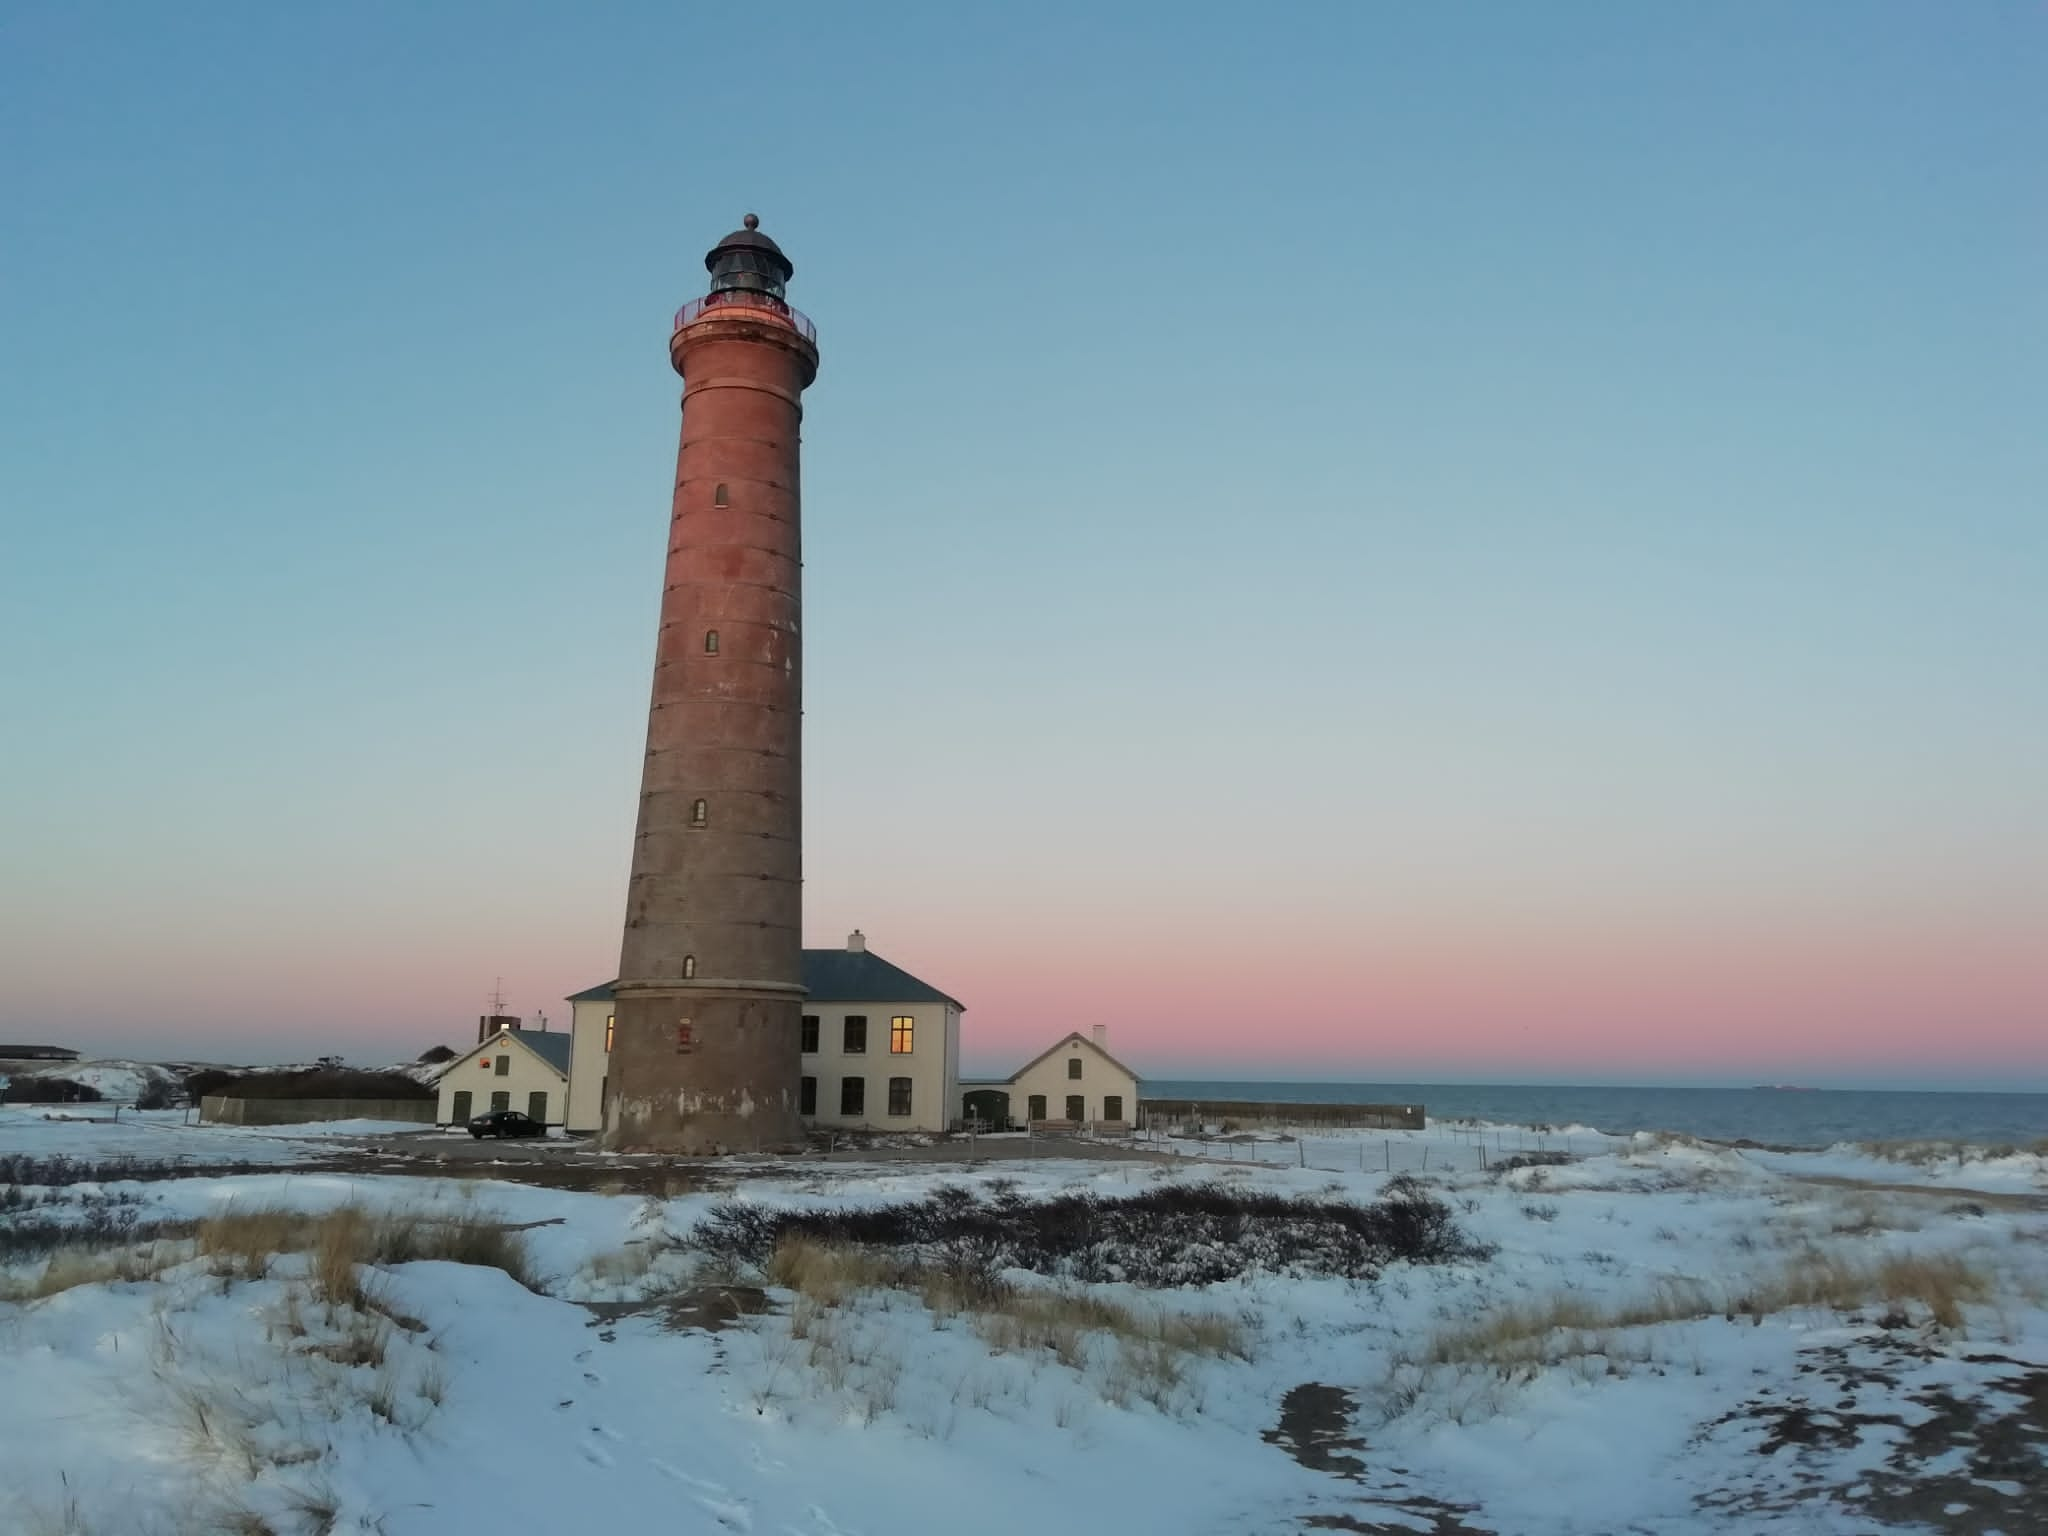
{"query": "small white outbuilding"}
[(522, 1069), (1077, 1082)]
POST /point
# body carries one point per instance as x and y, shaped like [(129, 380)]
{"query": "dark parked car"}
[(505, 1122)]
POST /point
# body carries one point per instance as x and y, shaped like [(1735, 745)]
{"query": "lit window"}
[(700, 812), (899, 1035), (611, 1027), (899, 1095), (689, 967), (710, 642), (1073, 1066), (718, 497)]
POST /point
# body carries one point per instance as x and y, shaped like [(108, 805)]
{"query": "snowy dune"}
[(1668, 1337)]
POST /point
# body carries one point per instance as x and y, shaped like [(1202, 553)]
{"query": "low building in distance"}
[(36, 1053)]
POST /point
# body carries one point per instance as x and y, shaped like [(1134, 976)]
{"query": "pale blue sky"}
[(1527, 486)]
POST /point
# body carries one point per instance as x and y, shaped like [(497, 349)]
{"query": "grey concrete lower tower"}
[(706, 1039)]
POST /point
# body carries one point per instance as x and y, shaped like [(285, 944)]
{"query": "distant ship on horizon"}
[(1786, 1088)]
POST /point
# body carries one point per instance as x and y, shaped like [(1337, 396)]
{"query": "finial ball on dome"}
[(752, 221)]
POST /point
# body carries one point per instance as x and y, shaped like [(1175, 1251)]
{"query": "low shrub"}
[(1174, 1234), (57, 1172), (101, 1224), (1516, 1160), (47, 1090), (158, 1094)]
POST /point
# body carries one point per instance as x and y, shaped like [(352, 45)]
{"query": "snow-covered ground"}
[(1668, 1337), (1934, 1165), (94, 1131)]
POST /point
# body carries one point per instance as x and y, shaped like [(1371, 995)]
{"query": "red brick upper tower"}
[(705, 1054)]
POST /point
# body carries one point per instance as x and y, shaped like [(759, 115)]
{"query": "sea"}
[(1793, 1117)]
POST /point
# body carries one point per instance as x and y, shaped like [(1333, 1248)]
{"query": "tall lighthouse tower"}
[(705, 1040)]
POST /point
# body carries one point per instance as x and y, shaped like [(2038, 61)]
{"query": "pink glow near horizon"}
[(1933, 1003), (1938, 1007)]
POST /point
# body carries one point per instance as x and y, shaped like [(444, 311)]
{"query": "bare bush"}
[(158, 1094), (1172, 1234)]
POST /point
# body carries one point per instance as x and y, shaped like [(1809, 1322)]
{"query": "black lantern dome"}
[(748, 261)]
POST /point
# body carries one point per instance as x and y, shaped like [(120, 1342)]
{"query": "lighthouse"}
[(705, 1042)]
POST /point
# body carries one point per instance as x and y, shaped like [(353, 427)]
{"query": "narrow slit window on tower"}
[(689, 967), (700, 813), (710, 642), (719, 498)]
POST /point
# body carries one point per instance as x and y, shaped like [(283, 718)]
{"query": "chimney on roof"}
[(1102, 1038), (856, 943)]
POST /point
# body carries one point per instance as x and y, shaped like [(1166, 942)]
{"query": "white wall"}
[(1100, 1079), (526, 1074), (952, 1065), (589, 1066), (932, 1065)]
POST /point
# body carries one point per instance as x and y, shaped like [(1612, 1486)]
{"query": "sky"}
[(1436, 542)]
